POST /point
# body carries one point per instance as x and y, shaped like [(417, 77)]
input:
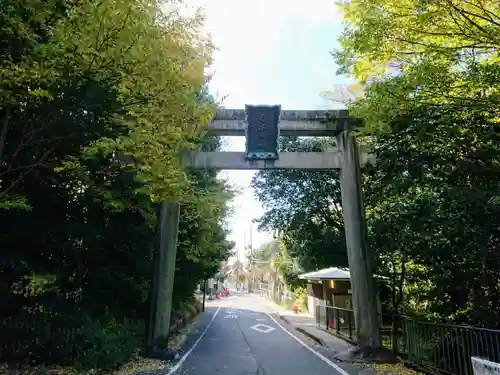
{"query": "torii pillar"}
[(360, 259)]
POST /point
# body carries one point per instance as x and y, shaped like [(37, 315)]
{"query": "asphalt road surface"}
[(244, 339)]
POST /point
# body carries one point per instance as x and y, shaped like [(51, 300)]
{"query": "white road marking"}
[(262, 328), (340, 370), (261, 320), (184, 357), (230, 316)]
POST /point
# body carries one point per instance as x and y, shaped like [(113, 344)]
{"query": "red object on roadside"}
[(330, 324)]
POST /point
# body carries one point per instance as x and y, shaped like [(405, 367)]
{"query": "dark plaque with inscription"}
[(262, 132)]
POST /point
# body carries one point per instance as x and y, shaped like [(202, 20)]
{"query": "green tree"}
[(430, 75), (429, 196), (110, 78), (202, 244), (98, 101), (420, 52), (306, 207)]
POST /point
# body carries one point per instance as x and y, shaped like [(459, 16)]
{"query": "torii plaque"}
[(262, 132)]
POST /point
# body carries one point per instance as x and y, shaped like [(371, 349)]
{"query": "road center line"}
[(184, 357), (340, 370)]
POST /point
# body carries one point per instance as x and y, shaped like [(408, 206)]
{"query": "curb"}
[(311, 336), (304, 332), (282, 317)]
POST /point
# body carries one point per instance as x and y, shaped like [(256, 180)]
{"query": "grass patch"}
[(132, 367), (395, 369)]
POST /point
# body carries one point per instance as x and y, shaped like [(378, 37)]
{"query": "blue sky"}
[(269, 52)]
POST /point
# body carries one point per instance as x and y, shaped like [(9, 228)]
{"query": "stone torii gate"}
[(262, 126)]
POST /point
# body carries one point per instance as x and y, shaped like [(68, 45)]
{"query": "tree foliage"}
[(426, 201), (429, 198), (97, 101), (274, 264), (431, 77), (306, 206), (420, 52)]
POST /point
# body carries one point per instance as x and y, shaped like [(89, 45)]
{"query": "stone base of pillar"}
[(162, 354), (367, 354)]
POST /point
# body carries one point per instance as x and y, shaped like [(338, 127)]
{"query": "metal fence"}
[(439, 347)]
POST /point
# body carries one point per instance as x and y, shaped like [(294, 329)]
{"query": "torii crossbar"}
[(233, 122)]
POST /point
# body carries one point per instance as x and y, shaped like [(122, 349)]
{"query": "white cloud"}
[(236, 24), (245, 32)]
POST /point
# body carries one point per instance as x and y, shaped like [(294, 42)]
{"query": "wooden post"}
[(360, 259), (162, 286)]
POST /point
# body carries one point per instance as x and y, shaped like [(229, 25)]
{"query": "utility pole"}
[(237, 268), (245, 245), (251, 243), (251, 261), (361, 265), (162, 286), (244, 240), (278, 243), (204, 294)]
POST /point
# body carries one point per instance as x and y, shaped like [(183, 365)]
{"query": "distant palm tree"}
[(274, 260), (237, 270)]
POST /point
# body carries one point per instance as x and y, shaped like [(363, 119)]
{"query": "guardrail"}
[(439, 347), (482, 366), (264, 293)]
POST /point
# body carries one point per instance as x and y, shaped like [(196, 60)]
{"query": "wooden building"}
[(331, 286)]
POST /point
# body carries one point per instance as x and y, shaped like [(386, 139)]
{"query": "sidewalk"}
[(306, 325)]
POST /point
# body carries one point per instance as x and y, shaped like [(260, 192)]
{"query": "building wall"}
[(311, 305), (314, 296), (310, 291), (339, 296), (343, 301), (340, 287), (317, 290)]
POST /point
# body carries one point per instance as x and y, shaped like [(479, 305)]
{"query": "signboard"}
[(262, 133)]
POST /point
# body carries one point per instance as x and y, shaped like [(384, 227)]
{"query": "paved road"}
[(243, 339)]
